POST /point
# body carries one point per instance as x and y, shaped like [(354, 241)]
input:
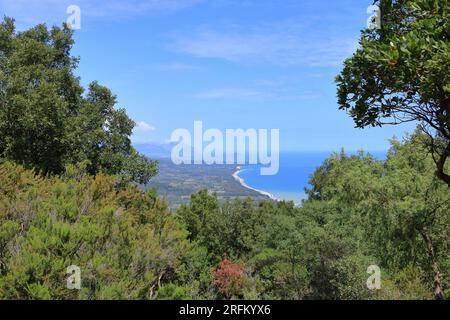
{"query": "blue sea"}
[(295, 171)]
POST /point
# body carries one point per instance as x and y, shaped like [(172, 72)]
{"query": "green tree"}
[(127, 244), (411, 227), (195, 216), (400, 73), (397, 207), (45, 120)]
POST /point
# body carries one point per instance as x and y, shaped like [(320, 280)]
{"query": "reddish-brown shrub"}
[(228, 278)]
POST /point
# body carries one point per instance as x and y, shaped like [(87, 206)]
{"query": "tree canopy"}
[(400, 73), (128, 245), (62, 149), (46, 120)]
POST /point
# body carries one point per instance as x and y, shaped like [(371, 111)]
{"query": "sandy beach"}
[(245, 185)]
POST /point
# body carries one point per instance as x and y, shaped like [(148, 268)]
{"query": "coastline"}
[(245, 185)]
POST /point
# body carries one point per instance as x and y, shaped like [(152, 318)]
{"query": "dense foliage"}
[(45, 120), (400, 73), (360, 212), (62, 154)]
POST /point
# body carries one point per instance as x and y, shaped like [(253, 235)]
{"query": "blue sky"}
[(230, 63)]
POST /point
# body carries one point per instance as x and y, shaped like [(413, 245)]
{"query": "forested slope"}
[(361, 212)]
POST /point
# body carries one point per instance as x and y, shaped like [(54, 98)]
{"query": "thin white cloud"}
[(175, 67), (281, 44), (143, 126), (28, 12), (134, 7), (230, 93), (141, 132), (262, 92)]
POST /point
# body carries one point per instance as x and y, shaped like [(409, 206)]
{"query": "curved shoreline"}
[(245, 185)]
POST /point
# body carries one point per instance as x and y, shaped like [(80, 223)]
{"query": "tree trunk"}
[(438, 292), (445, 155), (441, 166)]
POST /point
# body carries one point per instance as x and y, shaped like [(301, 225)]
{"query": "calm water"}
[(293, 176)]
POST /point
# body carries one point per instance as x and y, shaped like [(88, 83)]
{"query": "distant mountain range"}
[(155, 150)]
